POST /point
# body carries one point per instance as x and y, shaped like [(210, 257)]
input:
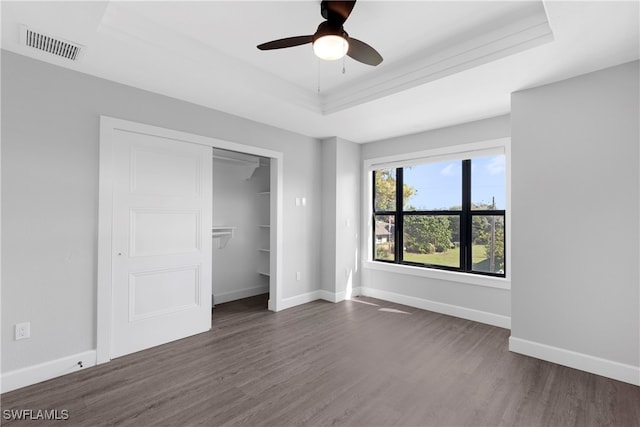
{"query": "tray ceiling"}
[(445, 62)]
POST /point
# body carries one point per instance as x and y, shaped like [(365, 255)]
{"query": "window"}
[(445, 214)]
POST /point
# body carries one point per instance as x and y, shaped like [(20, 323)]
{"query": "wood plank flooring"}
[(363, 362)]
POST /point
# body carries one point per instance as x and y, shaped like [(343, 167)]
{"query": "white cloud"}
[(451, 169), (496, 165)]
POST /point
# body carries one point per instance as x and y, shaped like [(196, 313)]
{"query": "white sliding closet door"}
[(161, 262)]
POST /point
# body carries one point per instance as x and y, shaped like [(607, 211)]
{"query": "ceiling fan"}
[(331, 41)]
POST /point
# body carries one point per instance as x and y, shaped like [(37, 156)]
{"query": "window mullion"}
[(465, 223), (373, 209), (399, 215)]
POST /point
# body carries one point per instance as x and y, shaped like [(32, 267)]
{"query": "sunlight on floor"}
[(364, 302), (393, 310), (386, 310)]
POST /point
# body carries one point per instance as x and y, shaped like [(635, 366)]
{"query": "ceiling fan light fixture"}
[(331, 41), (330, 47)]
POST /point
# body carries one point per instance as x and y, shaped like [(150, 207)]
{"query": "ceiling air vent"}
[(53, 45)]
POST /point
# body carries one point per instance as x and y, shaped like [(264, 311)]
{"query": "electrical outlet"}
[(23, 331), (298, 275)]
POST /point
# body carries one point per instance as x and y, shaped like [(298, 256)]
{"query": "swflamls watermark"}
[(35, 414)]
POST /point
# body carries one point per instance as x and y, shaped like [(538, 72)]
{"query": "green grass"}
[(450, 258)]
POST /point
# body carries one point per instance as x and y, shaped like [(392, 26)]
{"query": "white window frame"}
[(458, 152)]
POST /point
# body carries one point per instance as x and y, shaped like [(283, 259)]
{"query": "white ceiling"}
[(445, 62)]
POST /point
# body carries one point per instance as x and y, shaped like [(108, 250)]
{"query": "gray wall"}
[(341, 216), (575, 188), (329, 154), (348, 202), (50, 136), (481, 130)]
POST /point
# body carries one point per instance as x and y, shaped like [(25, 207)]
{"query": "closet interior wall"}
[(240, 203)]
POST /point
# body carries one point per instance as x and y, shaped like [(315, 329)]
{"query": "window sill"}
[(451, 276)]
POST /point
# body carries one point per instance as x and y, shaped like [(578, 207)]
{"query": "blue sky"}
[(439, 185)]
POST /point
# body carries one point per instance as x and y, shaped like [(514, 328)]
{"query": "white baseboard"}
[(339, 296), (221, 298), (584, 362), (300, 299), (23, 377), (316, 295), (356, 292), (333, 296), (439, 307), (328, 296)]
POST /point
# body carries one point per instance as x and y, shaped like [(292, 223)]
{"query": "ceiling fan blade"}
[(286, 42), (362, 52), (336, 12)]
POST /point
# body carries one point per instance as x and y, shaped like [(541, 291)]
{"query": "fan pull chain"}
[(318, 61), (344, 56)]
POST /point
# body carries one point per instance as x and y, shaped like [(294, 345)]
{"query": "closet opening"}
[(241, 231)]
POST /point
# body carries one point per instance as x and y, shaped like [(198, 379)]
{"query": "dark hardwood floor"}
[(363, 362)]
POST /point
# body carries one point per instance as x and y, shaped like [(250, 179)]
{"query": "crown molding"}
[(134, 28), (429, 65)]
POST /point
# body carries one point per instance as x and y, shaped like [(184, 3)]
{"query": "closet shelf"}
[(247, 161), (223, 233)]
